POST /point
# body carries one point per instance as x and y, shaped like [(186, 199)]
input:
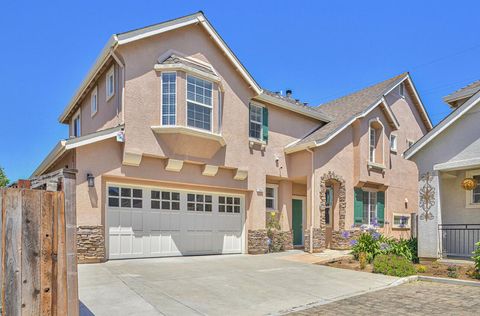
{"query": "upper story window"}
[(110, 83), (76, 125), (375, 143), (393, 142), (94, 102), (271, 197), (169, 98), (199, 103), (256, 120)]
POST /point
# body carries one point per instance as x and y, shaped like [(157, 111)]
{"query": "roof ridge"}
[(363, 89)]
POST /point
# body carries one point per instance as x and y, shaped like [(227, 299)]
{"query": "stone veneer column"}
[(90, 244), (257, 241)]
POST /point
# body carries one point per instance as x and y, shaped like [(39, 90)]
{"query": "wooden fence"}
[(38, 275)]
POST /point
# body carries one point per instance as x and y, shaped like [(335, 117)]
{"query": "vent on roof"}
[(288, 93)]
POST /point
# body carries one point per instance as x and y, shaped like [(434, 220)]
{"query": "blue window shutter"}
[(265, 124), (358, 207), (381, 208)]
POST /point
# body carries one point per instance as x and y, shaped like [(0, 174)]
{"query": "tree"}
[(3, 178)]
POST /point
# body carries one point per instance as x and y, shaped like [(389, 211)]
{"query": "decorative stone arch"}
[(332, 176)]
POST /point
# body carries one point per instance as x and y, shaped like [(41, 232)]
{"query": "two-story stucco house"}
[(179, 151), (448, 159)]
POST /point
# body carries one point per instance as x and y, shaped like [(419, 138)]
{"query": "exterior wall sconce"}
[(90, 180)]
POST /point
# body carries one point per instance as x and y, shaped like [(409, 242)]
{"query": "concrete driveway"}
[(217, 285)]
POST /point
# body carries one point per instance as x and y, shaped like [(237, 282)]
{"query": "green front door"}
[(297, 222)]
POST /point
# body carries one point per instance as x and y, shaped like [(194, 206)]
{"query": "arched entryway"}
[(332, 207)]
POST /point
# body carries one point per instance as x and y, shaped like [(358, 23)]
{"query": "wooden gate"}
[(34, 253)]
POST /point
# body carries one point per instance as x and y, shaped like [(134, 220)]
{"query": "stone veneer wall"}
[(339, 242), (257, 241), (318, 240), (90, 244)]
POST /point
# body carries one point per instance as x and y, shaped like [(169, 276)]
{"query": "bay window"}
[(199, 103), (169, 98)]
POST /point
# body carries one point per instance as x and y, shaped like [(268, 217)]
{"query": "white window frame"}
[(398, 226), (393, 142), (94, 102), (255, 122), (369, 218), (372, 147), (198, 103), (469, 194), (110, 92), (75, 117), (161, 100), (274, 198)]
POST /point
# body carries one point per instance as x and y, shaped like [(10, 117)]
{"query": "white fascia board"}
[(92, 138), (288, 106), (457, 165), (449, 120), (187, 69), (422, 107), (54, 154), (390, 113), (99, 62)]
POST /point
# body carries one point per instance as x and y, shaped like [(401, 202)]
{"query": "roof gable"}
[(462, 93)]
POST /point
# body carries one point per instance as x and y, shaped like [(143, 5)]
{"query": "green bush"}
[(393, 265), (476, 260), (406, 248), (452, 271), (368, 243), (421, 269)]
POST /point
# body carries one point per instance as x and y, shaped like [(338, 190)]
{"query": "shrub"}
[(362, 258), (368, 243), (393, 265), (406, 248), (421, 269), (476, 260), (452, 271)]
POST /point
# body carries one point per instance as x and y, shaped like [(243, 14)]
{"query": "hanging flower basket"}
[(469, 184)]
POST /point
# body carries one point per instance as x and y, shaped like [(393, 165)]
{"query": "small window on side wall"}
[(94, 102), (76, 126), (393, 142), (401, 90), (271, 197), (401, 221), (110, 83), (258, 122)]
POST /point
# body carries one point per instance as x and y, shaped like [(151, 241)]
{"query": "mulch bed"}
[(433, 268)]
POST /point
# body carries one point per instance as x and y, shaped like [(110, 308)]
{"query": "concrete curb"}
[(447, 281)]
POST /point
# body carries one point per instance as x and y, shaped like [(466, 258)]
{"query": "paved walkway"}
[(216, 285), (417, 298)]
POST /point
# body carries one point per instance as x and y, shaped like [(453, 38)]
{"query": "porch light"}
[(90, 180), (469, 184)]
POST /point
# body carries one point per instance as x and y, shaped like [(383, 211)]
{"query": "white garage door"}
[(157, 222)]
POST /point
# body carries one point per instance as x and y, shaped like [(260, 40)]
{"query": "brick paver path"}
[(416, 298)]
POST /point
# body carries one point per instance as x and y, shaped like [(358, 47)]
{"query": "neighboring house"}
[(448, 159), (180, 151)]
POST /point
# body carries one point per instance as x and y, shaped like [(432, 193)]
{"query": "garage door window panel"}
[(165, 200), (228, 204), (199, 202)]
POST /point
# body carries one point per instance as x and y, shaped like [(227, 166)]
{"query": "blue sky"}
[(319, 49)]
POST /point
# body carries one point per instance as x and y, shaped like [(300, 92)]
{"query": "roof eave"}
[(54, 154)]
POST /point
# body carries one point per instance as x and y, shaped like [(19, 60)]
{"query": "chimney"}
[(288, 93)]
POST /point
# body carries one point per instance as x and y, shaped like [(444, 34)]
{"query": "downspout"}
[(312, 210)]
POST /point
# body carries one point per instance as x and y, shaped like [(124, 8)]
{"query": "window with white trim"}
[(169, 98), (94, 102), (110, 83), (256, 121), (271, 197), (393, 142), (165, 200), (228, 204), (199, 103), (473, 196), (76, 126), (125, 197), (199, 202), (401, 220), (373, 144), (369, 207)]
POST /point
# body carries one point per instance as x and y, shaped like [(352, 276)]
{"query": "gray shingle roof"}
[(464, 92), (344, 109)]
